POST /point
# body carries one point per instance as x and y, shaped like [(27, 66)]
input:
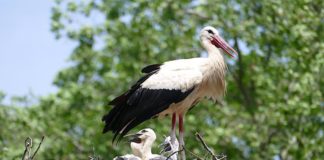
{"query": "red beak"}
[(219, 42)]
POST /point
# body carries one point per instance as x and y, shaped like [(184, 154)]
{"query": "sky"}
[(30, 56)]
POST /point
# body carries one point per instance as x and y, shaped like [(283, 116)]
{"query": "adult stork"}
[(172, 88)]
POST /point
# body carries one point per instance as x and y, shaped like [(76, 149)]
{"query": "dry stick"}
[(40, 143), (223, 156), (183, 148), (192, 154), (28, 145), (205, 146), (94, 157), (168, 158)]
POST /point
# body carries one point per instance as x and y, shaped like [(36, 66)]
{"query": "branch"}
[(199, 15), (205, 145), (241, 74), (28, 147), (208, 149), (183, 149), (94, 157), (192, 154), (268, 55), (168, 158), (40, 143)]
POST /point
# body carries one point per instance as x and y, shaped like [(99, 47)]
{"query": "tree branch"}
[(268, 55), (28, 147), (197, 14), (208, 149), (40, 143), (241, 74)]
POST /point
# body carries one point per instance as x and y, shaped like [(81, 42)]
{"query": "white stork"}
[(172, 88), (141, 144)]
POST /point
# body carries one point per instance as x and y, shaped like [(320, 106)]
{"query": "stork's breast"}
[(213, 86)]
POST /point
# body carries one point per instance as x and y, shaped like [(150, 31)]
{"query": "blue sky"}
[(30, 56)]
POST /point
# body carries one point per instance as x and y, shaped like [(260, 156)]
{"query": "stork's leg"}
[(181, 134), (173, 132)]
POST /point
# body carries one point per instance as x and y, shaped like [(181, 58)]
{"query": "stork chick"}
[(141, 144), (170, 148)]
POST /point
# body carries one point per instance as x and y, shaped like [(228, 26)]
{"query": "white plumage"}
[(127, 157), (170, 149), (176, 75), (141, 144), (143, 147)]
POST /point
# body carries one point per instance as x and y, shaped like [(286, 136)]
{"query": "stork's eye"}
[(143, 131), (210, 31)]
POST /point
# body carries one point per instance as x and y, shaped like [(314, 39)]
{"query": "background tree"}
[(274, 103)]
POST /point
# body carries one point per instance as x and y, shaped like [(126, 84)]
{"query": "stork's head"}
[(209, 36), (168, 146), (142, 141)]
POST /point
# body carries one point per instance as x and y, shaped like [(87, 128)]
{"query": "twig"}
[(193, 154), (223, 157), (199, 15), (28, 145), (215, 157), (94, 157), (205, 146), (168, 158), (40, 143), (184, 149)]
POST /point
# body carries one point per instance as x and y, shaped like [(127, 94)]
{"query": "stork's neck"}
[(214, 72), (136, 149), (143, 150), (214, 53), (147, 153), (146, 150)]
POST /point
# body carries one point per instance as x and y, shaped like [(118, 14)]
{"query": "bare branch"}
[(40, 143), (94, 157), (205, 146), (168, 158), (246, 93), (199, 15), (193, 154), (208, 149), (28, 146)]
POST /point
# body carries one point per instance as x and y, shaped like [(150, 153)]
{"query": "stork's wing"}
[(151, 68), (173, 79), (151, 95)]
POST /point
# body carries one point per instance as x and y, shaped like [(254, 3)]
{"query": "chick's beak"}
[(134, 138)]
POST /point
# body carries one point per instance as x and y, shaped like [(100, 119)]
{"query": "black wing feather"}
[(151, 103), (138, 105), (151, 68)]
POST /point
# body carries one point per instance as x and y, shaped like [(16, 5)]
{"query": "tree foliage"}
[(274, 102)]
